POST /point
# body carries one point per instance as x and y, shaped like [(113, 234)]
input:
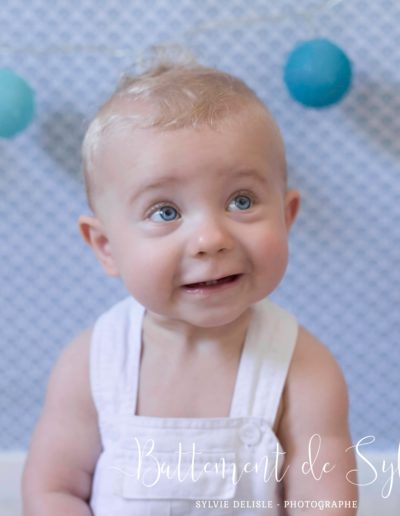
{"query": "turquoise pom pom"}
[(17, 103), (318, 73)]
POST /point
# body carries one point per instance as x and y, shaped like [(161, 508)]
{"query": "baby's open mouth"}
[(220, 281)]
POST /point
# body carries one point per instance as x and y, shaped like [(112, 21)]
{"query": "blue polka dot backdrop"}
[(343, 278)]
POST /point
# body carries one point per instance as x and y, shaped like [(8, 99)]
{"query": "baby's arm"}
[(58, 472), (316, 404)]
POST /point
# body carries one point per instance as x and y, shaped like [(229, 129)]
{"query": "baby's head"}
[(185, 173), (168, 97)]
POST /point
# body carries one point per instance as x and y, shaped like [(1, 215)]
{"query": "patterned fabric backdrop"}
[(343, 278)]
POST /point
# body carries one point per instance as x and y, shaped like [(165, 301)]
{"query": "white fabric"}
[(166, 466)]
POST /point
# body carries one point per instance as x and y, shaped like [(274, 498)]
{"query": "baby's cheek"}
[(149, 277), (272, 255)]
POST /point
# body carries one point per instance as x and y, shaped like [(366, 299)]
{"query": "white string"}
[(234, 22), (308, 16), (66, 49)]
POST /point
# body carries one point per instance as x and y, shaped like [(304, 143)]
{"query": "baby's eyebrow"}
[(252, 173), (154, 185), (168, 180)]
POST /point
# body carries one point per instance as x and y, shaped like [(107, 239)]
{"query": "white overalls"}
[(184, 466)]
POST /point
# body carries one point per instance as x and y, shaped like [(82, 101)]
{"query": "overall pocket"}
[(175, 476)]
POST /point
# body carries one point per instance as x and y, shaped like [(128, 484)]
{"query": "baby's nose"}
[(210, 237)]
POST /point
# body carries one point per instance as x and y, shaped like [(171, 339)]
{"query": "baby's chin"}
[(211, 318), (204, 313), (214, 321)]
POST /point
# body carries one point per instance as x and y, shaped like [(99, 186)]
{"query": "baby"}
[(196, 394)]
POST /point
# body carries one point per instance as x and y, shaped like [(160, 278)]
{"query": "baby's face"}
[(183, 207)]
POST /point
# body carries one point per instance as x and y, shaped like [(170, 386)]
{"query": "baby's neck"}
[(182, 338)]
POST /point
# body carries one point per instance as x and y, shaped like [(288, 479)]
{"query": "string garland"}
[(317, 72), (307, 15)]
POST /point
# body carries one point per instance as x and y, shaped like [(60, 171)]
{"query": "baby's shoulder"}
[(76, 353), (315, 379), (315, 398), (70, 376), (313, 362), (311, 355)]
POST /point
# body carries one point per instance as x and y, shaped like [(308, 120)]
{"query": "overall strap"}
[(109, 355), (270, 342)]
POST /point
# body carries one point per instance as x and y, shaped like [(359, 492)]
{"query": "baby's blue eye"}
[(241, 202), (167, 213)]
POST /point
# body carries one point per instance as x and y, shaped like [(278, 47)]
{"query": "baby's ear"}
[(94, 235), (292, 206)]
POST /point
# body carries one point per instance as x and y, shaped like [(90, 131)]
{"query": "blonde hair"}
[(170, 94)]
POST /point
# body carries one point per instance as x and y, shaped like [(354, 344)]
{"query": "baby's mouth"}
[(220, 281)]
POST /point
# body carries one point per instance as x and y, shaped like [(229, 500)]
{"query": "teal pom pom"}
[(17, 103), (318, 73)]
